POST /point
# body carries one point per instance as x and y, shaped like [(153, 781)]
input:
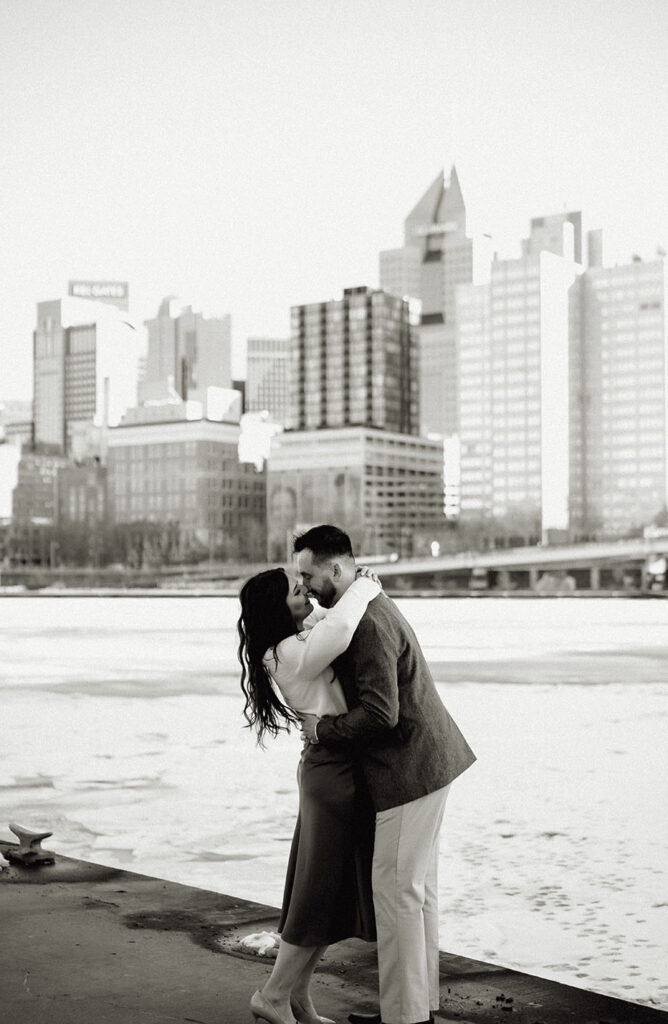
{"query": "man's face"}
[(318, 578)]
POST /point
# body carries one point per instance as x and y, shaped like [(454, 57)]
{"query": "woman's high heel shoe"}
[(262, 1009), (302, 1016)]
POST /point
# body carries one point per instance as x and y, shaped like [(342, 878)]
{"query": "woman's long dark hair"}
[(265, 620)]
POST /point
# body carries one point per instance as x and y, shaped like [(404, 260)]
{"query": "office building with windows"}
[(352, 453), (187, 351), (185, 475), (514, 379), (354, 362), (621, 397), (35, 497), (85, 368), (381, 487), (437, 256), (268, 375)]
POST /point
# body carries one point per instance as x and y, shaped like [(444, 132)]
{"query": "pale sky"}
[(249, 155)]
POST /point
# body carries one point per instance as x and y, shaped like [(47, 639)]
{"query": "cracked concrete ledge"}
[(88, 944)]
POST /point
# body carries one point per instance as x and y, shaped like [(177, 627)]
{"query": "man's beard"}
[(327, 594)]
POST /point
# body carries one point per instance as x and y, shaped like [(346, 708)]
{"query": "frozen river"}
[(121, 731)]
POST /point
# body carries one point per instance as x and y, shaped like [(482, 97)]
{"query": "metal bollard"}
[(29, 852)]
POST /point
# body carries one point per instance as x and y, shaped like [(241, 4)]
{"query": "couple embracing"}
[(380, 752)]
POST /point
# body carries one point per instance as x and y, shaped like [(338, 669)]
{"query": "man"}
[(410, 750)]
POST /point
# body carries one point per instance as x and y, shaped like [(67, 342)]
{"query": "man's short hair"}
[(324, 542)]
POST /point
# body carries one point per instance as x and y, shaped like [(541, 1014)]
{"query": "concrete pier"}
[(86, 944)]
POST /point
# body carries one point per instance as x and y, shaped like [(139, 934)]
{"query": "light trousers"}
[(405, 895)]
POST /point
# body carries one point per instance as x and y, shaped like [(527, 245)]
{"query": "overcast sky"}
[(248, 155)]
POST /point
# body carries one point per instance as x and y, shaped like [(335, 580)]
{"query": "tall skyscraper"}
[(352, 453), (85, 368), (268, 377), (191, 351), (621, 395), (560, 233), (515, 368), (436, 257), (354, 362)]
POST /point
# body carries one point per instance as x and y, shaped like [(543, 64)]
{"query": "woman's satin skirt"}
[(327, 894)]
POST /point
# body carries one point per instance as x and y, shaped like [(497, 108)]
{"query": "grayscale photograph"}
[(334, 512)]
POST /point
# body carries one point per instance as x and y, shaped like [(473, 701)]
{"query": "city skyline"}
[(248, 158)]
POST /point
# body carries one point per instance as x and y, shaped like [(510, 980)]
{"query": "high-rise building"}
[(560, 233), (85, 367), (188, 350), (379, 486), (437, 256), (354, 362), (621, 397), (515, 371), (268, 377)]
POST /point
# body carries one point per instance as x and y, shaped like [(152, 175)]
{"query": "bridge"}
[(638, 564)]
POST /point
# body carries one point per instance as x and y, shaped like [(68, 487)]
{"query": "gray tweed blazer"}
[(407, 742)]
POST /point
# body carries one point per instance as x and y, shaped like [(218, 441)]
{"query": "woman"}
[(286, 671)]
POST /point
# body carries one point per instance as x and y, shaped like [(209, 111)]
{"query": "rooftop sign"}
[(115, 292)]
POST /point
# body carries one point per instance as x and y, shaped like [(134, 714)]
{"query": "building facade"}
[(268, 375), (35, 497), (82, 518), (621, 396), (379, 486), (437, 256), (30, 539), (354, 362), (16, 424), (559, 233), (185, 476), (10, 457), (187, 351), (514, 379), (81, 494), (85, 368)]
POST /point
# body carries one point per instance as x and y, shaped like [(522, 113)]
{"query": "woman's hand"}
[(364, 570)]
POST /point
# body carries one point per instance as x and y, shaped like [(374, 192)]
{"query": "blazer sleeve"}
[(374, 653), (308, 655)]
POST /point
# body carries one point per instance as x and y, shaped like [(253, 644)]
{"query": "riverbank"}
[(87, 943)]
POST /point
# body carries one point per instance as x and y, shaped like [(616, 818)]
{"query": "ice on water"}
[(122, 732)]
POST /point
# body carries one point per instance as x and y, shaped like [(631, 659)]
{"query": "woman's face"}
[(298, 603)]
